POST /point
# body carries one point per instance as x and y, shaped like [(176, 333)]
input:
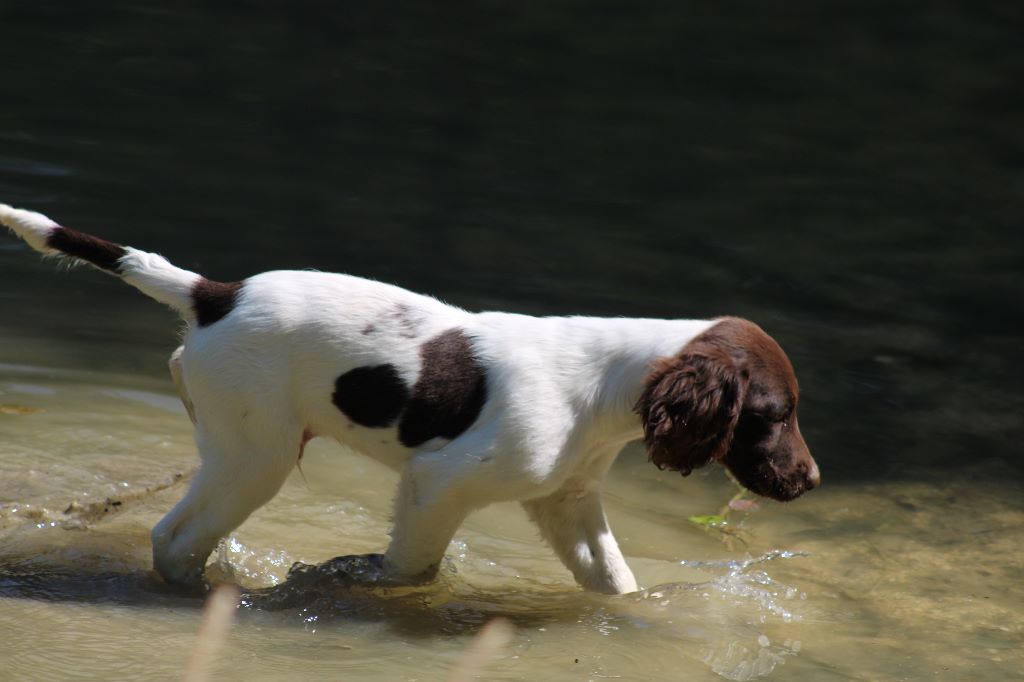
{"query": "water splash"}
[(238, 563), (742, 606), (756, 586)]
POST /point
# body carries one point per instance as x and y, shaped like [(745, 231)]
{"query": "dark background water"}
[(848, 174)]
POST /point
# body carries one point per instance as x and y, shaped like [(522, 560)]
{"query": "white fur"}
[(33, 227), (154, 276), (258, 383)]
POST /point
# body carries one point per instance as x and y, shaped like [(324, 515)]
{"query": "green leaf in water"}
[(709, 520)]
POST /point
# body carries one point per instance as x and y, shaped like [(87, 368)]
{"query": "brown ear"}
[(689, 407)]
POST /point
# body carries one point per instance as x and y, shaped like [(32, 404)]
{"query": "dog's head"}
[(730, 396)]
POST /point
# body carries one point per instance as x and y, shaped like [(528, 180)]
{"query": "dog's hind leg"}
[(175, 365), (240, 472)]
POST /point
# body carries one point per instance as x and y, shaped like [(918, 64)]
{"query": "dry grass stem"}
[(213, 632), (488, 644)]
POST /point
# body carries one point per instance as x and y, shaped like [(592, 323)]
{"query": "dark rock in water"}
[(344, 582), (354, 569)]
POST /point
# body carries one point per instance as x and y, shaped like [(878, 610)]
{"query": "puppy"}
[(471, 408)]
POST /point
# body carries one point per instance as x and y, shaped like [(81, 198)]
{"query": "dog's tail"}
[(151, 274)]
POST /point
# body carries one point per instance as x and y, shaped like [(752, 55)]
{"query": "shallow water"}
[(851, 177), (887, 580)]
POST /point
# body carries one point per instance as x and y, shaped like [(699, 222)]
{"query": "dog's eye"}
[(767, 422), (754, 423)]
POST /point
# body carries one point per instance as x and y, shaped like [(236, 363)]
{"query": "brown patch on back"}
[(449, 394), (101, 253), (212, 301)]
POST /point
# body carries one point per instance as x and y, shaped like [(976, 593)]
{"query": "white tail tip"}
[(33, 227)]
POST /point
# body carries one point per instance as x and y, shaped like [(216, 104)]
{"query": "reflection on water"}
[(849, 176)]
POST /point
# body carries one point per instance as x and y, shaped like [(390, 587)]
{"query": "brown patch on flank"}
[(101, 253), (371, 396), (212, 301), (369, 329), (449, 394)]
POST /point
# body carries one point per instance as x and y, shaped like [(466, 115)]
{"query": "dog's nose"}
[(813, 476)]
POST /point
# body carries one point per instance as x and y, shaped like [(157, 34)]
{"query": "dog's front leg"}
[(429, 508), (572, 521)]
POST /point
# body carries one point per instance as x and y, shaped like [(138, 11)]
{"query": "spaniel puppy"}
[(470, 408)]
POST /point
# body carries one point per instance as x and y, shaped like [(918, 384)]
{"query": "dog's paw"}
[(191, 587)]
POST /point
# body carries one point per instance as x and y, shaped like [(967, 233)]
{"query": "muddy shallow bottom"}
[(891, 581)]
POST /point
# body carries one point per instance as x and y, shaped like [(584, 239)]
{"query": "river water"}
[(849, 175)]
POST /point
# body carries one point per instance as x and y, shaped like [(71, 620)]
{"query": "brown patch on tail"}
[(99, 252)]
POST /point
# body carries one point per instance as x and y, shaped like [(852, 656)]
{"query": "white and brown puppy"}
[(471, 408)]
